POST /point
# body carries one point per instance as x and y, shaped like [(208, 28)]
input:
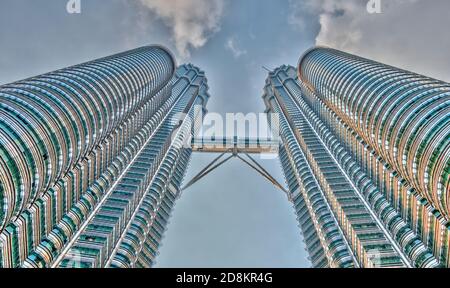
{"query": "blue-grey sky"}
[(233, 218)]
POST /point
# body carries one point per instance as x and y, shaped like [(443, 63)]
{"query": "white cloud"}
[(232, 46), (192, 21), (411, 34)]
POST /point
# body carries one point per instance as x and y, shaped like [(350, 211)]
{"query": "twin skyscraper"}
[(92, 159)]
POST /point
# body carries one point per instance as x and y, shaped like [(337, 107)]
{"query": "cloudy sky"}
[(232, 218)]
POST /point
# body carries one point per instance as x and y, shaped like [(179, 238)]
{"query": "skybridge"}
[(235, 145), (238, 148)]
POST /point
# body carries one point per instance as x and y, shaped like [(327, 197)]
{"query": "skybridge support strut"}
[(252, 163), (205, 171), (263, 172)]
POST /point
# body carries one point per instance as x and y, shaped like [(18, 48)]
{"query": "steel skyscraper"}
[(366, 154), (91, 159)]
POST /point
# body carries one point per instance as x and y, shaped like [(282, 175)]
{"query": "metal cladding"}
[(50, 122), (90, 159), (404, 117), (354, 208)]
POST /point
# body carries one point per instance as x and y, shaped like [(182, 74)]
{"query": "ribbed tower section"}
[(352, 209), (317, 222), (126, 231), (69, 140), (396, 126)]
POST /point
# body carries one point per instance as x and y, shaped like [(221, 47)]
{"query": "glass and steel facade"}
[(366, 155), (91, 159)]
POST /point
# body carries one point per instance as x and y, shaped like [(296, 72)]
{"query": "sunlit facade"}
[(366, 155), (91, 159)]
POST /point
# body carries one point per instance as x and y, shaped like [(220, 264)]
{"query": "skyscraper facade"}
[(91, 159), (366, 154)]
